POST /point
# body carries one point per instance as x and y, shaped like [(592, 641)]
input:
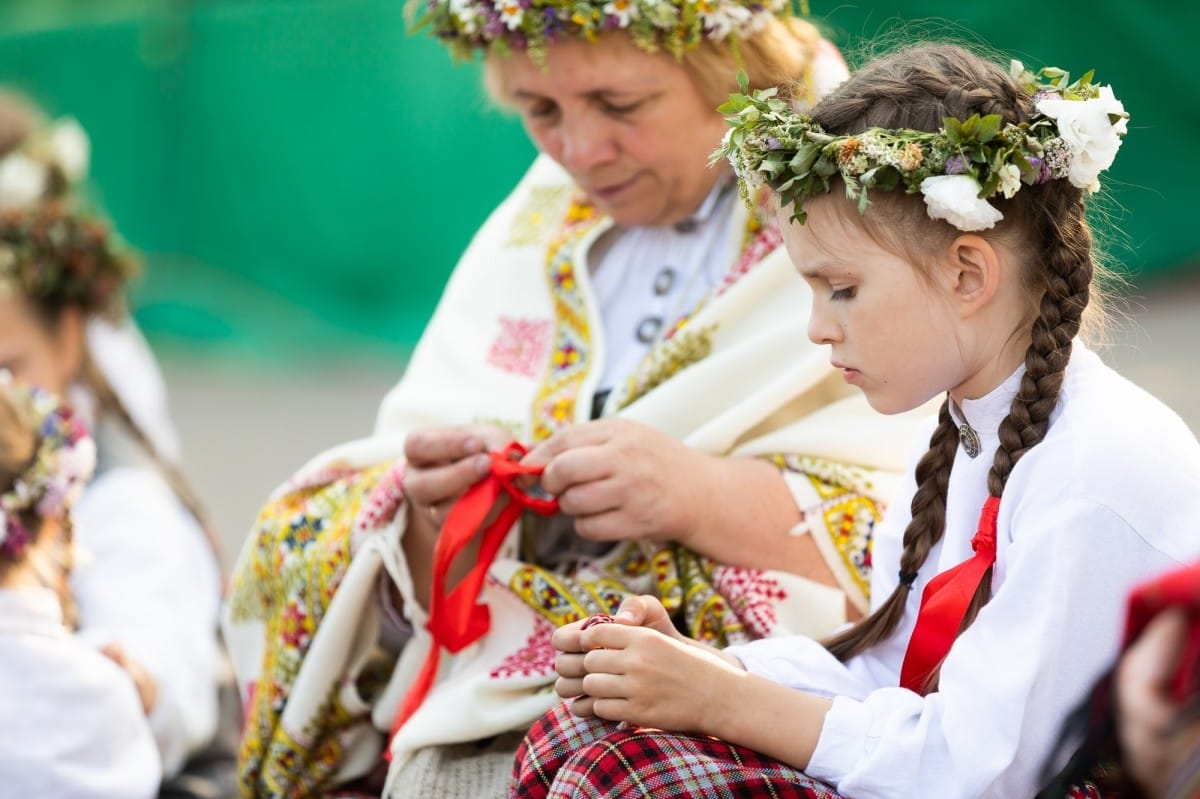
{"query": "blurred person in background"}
[(1142, 717), (624, 315), (73, 722), (148, 583)]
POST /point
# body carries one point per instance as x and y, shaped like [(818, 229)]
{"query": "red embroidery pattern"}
[(384, 501), (534, 659), (766, 242), (752, 595), (520, 346)]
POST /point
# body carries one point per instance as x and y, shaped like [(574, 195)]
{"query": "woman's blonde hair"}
[(780, 54)]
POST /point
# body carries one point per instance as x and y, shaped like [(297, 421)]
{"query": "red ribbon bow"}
[(456, 619), (944, 604)]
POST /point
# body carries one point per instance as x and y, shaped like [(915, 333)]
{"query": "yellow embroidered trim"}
[(554, 405)]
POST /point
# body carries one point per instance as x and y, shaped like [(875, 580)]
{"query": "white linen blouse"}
[(71, 723), (1110, 497)]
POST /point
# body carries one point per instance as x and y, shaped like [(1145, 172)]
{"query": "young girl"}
[(72, 723), (1049, 486)]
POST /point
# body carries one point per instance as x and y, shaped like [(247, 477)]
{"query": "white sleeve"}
[(1011, 678), (148, 580)]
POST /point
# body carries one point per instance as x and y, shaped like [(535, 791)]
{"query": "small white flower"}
[(955, 198), (71, 149), (722, 18), (22, 181), (511, 13), (621, 9), (1086, 128), (1010, 180), (468, 19)]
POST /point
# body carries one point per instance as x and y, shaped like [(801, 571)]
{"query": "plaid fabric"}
[(567, 756)]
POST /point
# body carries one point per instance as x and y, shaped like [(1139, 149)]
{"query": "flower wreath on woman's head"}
[(62, 465), (529, 26), (1074, 133)]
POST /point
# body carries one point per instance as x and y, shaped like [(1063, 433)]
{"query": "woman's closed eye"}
[(842, 294), (621, 109), (541, 111)]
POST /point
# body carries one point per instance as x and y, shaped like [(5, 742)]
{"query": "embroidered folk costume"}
[(521, 339), (514, 341)]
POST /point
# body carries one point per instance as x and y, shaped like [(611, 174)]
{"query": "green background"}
[(301, 175)]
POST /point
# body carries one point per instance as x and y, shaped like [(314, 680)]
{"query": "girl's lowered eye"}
[(843, 294)]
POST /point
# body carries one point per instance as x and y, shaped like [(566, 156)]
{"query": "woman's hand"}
[(623, 480), (443, 462), (147, 688), (1153, 746)]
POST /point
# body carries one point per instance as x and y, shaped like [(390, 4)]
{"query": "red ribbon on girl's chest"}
[(944, 604)]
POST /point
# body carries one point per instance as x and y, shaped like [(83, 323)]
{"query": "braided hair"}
[(917, 88)]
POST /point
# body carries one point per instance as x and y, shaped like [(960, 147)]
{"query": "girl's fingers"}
[(569, 664), (568, 688)]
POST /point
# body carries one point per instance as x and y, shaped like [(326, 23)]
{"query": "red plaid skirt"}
[(564, 755)]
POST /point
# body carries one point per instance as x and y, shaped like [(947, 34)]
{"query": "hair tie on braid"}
[(907, 578)]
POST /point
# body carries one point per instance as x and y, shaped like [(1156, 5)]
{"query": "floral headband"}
[(530, 25), (47, 163), (1074, 133), (63, 258), (62, 465)]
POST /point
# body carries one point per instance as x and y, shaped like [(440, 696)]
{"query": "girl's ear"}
[(972, 272)]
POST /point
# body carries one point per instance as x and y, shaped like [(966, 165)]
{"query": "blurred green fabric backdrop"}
[(302, 174)]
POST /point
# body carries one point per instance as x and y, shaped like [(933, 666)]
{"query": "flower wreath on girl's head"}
[(1074, 133), (502, 26), (50, 162), (62, 464)]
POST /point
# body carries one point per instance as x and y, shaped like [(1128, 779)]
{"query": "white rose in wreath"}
[(1086, 127), (72, 150), (22, 181), (955, 198)]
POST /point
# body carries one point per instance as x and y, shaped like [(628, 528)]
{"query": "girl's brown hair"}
[(916, 88)]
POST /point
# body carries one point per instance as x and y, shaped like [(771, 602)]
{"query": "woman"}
[(148, 583), (623, 314)]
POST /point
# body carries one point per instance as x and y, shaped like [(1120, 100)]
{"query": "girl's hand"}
[(147, 688), (623, 480), (640, 676), (575, 642)]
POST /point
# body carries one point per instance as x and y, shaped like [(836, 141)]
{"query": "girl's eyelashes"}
[(843, 294)]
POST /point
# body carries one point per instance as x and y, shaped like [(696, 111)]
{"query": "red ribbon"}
[(944, 604), (1177, 588), (456, 619)]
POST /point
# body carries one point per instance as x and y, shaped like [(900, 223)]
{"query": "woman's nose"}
[(586, 144)]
